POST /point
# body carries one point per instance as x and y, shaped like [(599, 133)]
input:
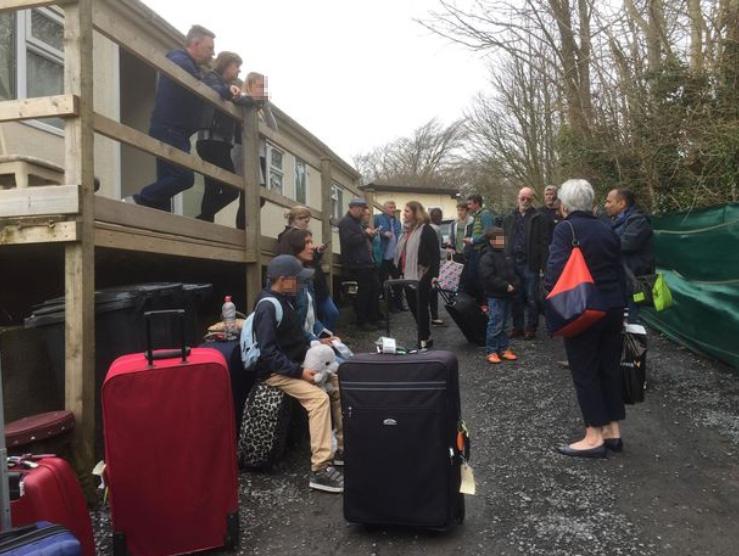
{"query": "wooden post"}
[(250, 144), (79, 279), (326, 228)]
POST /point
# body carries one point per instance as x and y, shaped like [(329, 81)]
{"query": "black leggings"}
[(420, 306), (217, 194)]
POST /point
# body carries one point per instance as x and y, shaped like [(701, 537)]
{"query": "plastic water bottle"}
[(228, 314)]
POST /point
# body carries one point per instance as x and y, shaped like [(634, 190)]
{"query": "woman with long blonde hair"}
[(417, 258)]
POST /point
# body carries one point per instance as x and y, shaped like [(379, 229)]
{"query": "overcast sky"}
[(357, 74)]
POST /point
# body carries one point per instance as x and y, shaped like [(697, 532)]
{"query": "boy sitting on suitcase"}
[(499, 282), (282, 349)]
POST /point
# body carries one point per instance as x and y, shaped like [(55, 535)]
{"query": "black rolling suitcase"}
[(404, 440), (467, 314)]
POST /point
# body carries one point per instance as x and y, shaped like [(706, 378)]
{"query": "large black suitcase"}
[(402, 455), (467, 314)]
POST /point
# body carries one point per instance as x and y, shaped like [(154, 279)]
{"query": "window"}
[(32, 56), (276, 174), (337, 201), (7, 56), (301, 176)]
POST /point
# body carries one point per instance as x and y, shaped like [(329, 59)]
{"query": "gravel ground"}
[(674, 490)]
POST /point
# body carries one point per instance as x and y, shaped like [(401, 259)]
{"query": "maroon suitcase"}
[(51, 493), (170, 451)]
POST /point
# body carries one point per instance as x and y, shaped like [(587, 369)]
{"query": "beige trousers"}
[(320, 407)]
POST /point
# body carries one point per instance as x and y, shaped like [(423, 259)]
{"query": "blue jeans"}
[(171, 179), (329, 313), (526, 296), (496, 339)]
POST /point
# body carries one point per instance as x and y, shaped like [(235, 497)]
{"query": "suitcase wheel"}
[(231, 541), (119, 544)]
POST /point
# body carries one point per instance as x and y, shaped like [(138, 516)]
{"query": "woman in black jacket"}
[(217, 137), (298, 218), (594, 354), (417, 258)]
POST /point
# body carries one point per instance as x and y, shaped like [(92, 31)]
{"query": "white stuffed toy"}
[(321, 358)]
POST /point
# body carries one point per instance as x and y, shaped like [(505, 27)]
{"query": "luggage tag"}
[(467, 485)]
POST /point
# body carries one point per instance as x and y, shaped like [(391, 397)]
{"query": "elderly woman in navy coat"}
[(593, 355)]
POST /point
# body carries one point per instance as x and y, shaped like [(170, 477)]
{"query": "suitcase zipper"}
[(35, 535), (351, 386)]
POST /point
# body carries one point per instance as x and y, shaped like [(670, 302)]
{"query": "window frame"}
[(278, 170), (299, 162), (25, 41), (337, 201)]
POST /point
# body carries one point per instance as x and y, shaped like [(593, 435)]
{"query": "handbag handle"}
[(575, 242)]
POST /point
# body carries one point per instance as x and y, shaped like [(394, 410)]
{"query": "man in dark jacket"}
[(550, 210), (177, 115), (356, 261), (634, 230), (282, 349), (527, 242)]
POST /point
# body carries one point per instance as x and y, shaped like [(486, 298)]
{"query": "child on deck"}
[(499, 282)]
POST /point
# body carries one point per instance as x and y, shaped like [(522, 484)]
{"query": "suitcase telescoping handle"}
[(183, 352), (401, 282)]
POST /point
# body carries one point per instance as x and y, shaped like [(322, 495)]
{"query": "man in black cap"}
[(357, 263), (282, 347)]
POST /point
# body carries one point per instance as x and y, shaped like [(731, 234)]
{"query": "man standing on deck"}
[(176, 117)]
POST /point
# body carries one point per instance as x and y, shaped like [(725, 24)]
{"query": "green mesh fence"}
[(698, 252)]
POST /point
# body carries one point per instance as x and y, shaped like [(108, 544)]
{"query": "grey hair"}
[(198, 33), (576, 195)]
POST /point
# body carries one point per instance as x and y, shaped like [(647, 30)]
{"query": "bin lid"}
[(116, 298), (202, 290)]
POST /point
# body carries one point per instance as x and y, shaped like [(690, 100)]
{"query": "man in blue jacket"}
[(282, 349), (634, 230), (388, 226), (176, 117)]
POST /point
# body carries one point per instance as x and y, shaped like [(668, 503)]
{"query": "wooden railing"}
[(72, 214)]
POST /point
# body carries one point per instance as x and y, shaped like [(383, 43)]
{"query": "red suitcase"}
[(52, 493), (170, 450)]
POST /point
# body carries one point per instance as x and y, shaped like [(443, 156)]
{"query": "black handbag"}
[(634, 363)]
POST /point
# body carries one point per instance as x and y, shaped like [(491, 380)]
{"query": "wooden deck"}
[(73, 216)]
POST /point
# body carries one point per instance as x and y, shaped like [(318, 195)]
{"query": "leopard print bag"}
[(264, 427)]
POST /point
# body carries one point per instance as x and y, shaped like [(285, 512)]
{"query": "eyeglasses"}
[(525, 198)]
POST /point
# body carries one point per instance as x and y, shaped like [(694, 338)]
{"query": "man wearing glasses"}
[(526, 232)]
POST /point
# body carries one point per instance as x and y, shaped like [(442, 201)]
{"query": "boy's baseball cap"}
[(357, 202), (287, 265)]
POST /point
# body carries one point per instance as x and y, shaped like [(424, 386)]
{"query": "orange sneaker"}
[(508, 355), (493, 358)]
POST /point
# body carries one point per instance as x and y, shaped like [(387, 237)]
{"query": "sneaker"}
[(327, 480), (426, 344), (493, 358), (508, 355), (339, 458), (437, 322)]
